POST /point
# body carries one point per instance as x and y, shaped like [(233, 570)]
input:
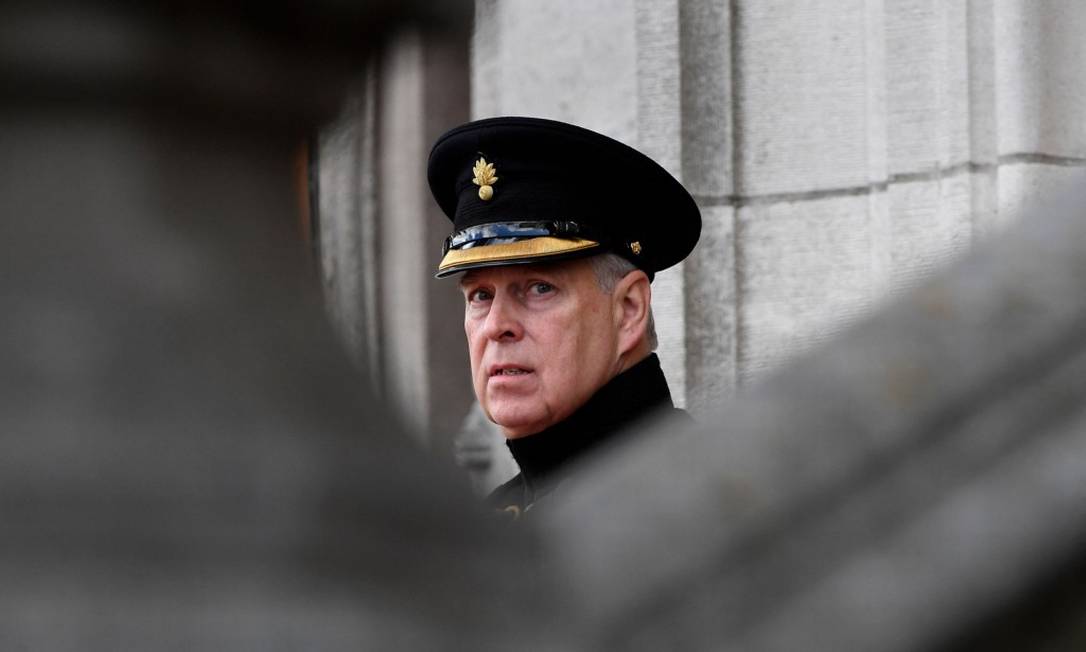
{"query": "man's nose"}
[(503, 319)]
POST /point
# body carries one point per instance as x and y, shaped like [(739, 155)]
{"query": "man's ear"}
[(632, 298)]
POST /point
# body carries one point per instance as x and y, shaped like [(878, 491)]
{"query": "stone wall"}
[(380, 234), (840, 151)]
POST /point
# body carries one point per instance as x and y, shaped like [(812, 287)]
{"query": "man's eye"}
[(478, 295), (541, 288)]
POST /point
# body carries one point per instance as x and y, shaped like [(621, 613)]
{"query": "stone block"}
[(710, 312), (669, 311), (928, 97), (958, 104), (913, 44), (705, 42), (1023, 186), (929, 225), (343, 214), (403, 199), (1041, 84), (659, 97), (486, 59), (981, 51), (804, 270), (801, 92), (566, 60)]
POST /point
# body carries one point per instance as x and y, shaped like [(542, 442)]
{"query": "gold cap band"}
[(519, 250)]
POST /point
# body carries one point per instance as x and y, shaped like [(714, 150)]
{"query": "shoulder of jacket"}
[(510, 492), (509, 499)]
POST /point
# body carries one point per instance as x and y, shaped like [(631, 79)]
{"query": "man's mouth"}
[(509, 371)]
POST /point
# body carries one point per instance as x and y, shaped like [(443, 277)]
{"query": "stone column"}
[(1040, 90), (347, 222), (707, 171), (381, 232)]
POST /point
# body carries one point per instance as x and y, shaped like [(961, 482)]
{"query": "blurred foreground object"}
[(188, 460), (273, 64), (919, 484)]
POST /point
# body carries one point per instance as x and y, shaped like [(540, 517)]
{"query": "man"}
[(558, 232)]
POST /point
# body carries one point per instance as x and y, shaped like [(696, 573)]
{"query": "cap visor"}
[(521, 251)]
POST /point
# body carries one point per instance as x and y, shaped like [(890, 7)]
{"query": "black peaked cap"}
[(524, 190)]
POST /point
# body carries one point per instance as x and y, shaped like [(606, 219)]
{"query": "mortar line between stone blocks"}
[(1045, 159), (881, 186), (736, 118), (975, 106)]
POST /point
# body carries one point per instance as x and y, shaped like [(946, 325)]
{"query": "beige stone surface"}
[(402, 198), (711, 312), (706, 86), (801, 94), (1023, 185), (566, 60), (1041, 80), (805, 270), (928, 226)]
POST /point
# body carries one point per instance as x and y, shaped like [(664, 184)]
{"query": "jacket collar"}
[(628, 397)]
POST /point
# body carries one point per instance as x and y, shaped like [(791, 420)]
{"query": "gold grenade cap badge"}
[(485, 177)]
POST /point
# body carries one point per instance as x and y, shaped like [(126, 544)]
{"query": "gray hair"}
[(610, 269)]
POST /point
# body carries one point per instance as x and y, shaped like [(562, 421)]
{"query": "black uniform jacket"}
[(544, 458)]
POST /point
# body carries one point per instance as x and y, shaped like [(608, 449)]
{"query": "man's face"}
[(542, 339)]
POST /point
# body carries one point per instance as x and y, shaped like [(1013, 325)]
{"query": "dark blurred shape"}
[(270, 62), (188, 460), (915, 485)]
